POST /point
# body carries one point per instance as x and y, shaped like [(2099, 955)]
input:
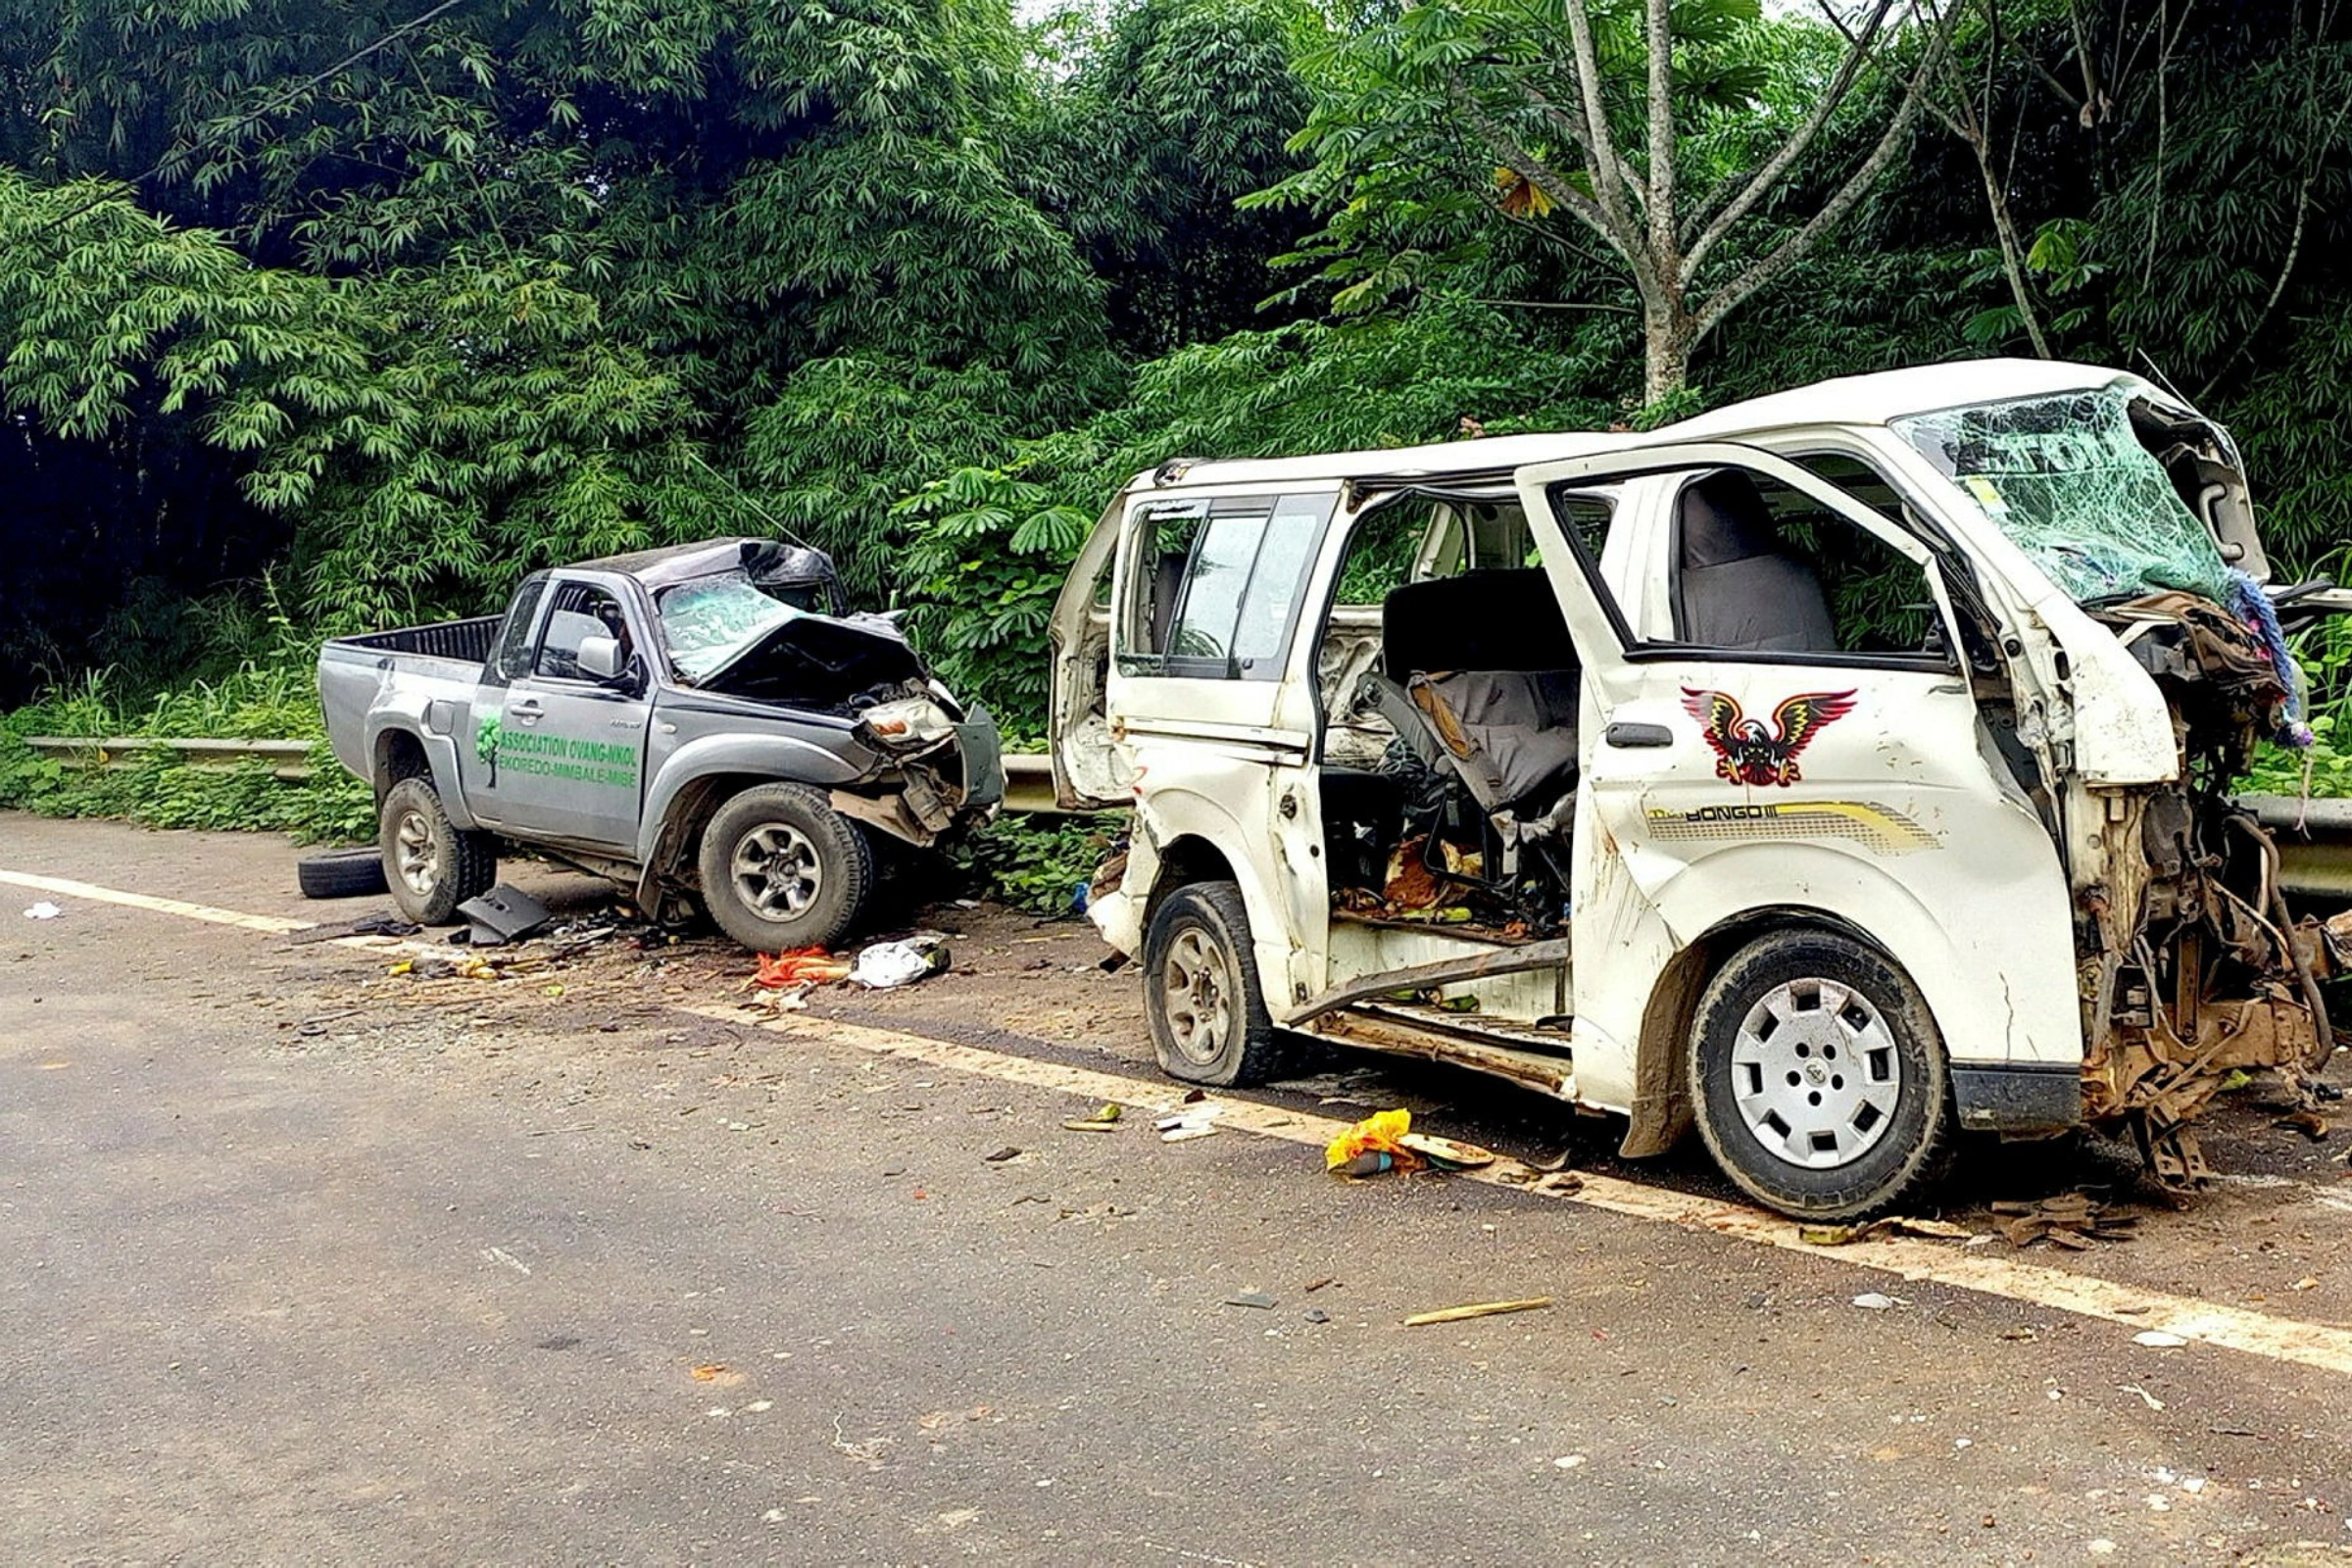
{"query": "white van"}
[(1835, 771)]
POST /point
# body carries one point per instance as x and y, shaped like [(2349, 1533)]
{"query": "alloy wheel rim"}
[(1815, 1073), (778, 872), (416, 854), (1194, 997)]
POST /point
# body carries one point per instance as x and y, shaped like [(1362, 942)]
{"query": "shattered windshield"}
[(709, 620), (2067, 480)]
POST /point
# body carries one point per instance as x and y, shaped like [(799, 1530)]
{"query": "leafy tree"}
[(1650, 127)]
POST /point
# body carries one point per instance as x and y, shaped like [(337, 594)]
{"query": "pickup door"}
[(559, 755)]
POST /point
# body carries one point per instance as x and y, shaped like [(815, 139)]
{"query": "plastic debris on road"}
[(1381, 1134), (1104, 1119), (44, 910), (503, 914), (1196, 1121), (2158, 1340), (887, 966), (1873, 1301), (800, 966)]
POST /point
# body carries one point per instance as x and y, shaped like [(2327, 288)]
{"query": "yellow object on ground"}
[(1381, 1133)]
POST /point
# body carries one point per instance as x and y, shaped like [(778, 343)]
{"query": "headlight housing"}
[(915, 721)]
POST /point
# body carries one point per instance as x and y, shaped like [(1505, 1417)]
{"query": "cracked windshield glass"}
[(2066, 479), (708, 621)]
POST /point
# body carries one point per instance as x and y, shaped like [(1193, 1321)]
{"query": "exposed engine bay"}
[(2192, 967)]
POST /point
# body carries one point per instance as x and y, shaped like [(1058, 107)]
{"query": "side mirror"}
[(600, 657)]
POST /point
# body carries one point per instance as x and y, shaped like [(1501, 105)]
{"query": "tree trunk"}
[(1666, 343)]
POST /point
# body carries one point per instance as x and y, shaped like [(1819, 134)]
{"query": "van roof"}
[(1851, 400)]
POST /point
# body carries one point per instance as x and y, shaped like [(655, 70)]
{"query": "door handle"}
[(1632, 735), (527, 710)]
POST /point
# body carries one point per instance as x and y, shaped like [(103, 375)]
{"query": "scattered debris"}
[(1315, 1314), (44, 910), (1313, 1286), (1381, 1134), (2152, 1402), (1569, 1462), (2158, 1340), (1196, 1121), (377, 925), (1457, 1315), (714, 1372), (2019, 1331), (1893, 1225), (799, 966), (888, 966), (1008, 1152), (1255, 1299), (1447, 1153), (502, 916), (2071, 1221), (1873, 1301), (1104, 1119), (2310, 1123)]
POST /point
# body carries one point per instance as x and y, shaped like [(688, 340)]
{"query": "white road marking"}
[(2262, 1333), (269, 925)]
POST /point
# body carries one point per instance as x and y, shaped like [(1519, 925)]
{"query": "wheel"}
[(430, 864), (780, 868), (1200, 993), (1818, 1077), (340, 874)]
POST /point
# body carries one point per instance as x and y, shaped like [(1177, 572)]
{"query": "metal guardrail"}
[(2314, 837), (289, 759), (1028, 777)]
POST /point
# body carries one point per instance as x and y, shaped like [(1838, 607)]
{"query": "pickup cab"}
[(1831, 773), (699, 724)]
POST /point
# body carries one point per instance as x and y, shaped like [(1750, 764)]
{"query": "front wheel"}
[(430, 863), (1818, 1077), (1201, 997), (781, 869)]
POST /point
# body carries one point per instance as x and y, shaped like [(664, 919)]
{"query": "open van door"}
[(1088, 775)]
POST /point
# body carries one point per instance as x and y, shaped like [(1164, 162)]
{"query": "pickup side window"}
[(1758, 567), (511, 654), (579, 611), (1214, 586)]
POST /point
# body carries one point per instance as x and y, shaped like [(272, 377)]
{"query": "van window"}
[(1214, 586), (1760, 570)]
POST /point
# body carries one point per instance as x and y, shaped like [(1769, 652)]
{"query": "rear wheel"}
[(780, 868), (1201, 999), (1818, 1077), (431, 865)]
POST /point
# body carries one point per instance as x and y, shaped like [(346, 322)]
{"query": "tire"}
[(430, 864), (781, 870), (1206, 1012), (340, 874), (1828, 1112)]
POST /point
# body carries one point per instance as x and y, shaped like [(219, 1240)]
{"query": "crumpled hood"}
[(818, 661)]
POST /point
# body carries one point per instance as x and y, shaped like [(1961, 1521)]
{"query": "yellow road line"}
[(2277, 1338), (65, 887)]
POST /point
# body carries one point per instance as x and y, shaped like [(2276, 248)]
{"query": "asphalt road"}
[(307, 1260)]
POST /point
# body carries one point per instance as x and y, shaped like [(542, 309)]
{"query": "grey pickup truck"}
[(698, 724)]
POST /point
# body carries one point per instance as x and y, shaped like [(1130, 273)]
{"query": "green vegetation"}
[(321, 317)]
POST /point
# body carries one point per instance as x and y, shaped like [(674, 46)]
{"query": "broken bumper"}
[(2020, 1099)]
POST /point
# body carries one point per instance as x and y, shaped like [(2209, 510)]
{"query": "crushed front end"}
[(2192, 967)]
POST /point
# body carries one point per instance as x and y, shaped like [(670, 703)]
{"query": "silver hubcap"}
[(778, 872), (1194, 996), (416, 854), (1816, 1074)]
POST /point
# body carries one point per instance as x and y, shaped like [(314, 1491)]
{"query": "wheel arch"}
[(397, 751), (1662, 1115)]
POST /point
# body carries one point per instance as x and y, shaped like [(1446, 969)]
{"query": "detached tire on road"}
[(780, 868), (1818, 1077), (340, 874), (1200, 993), (430, 863)]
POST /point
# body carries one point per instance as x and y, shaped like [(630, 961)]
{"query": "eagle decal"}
[(1748, 750)]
